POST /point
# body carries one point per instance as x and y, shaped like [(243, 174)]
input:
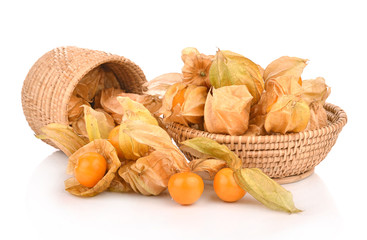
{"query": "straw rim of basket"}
[(224, 138)]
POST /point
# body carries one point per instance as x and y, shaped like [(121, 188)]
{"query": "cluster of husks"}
[(229, 94), (123, 128), (222, 94)]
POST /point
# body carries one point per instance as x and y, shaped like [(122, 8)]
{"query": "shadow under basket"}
[(285, 158)]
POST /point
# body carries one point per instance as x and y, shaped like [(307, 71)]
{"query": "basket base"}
[(292, 179)]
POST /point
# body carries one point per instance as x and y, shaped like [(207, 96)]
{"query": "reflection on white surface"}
[(53, 211)]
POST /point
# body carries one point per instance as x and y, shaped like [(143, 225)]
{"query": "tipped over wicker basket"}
[(286, 158), (52, 79)]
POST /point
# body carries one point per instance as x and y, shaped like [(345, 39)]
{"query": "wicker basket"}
[(52, 79), (286, 158)]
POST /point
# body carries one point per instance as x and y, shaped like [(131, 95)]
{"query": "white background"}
[(332, 34)]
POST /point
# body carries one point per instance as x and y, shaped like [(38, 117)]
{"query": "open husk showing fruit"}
[(102, 147)]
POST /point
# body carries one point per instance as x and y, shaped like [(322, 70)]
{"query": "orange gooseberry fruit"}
[(179, 98), (226, 187), (186, 187), (113, 138), (90, 169)]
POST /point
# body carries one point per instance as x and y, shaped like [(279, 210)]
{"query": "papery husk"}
[(184, 104), (206, 168), (282, 77), (261, 70), (133, 110), (172, 102), (75, 109), (229, 68), (159, 85), (196, 67), (104, 148), (118, 184), (285, 66), (288, 114), (97, 123), (149, 175), (261, 108), (252, 180), (227, 110), (205, 148), (108, 101), (318, 116), (109, 80), (193, 106), (131, 149), (284, 85), (159, 140), (63, 136), (256, 126), (315, 90), (80, 127), (89, 84), (276, 88)]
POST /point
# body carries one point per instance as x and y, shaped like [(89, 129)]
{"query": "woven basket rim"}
[(224, 138)]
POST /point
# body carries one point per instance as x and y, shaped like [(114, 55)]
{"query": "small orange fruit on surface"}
[(226, 187), (113, 138), (90, 169), (186, 187)]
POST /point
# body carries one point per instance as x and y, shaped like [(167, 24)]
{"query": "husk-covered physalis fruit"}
[(63, 137), (98, 123), (315, 93), (127, 148), (159, 85), (252, 180), (133, 110), (75, 109), (184, 104), (105, 121), (196, 67), (149, 175), (315, 90), (88, 86), (229, 68), (288, 114), (274, 89), (284, 85), (108, 101), (227, 110), (107, 151), (285, 66), (318, 116)]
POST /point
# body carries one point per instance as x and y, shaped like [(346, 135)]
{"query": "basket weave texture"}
[(52, 79), (288, 157)]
